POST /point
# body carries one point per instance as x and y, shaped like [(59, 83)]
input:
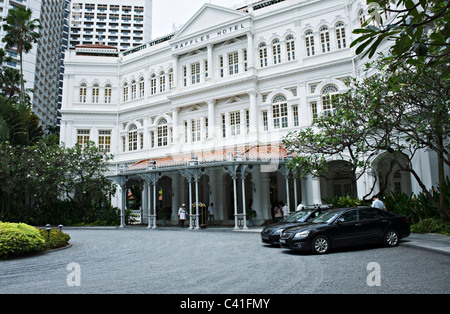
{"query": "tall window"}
[(327, 97), (340, 35), (235, 123), (108, 93), (325, 39), (290, 48), (184, 76), (362, 18), (162, 133), (153, 84), (265, 121), (233, 63), (195, 73), (133, 89), (83, 137), (196, 130), (295, 114), (83, 92), (125, 92), (205, 64), (95, 93), (279, 112), (162, 82), (170, 79), (224, 126), (309, 42), (104, 141), (263, 55), (221, 66), (141, 87), (276, 51), (132, 138)]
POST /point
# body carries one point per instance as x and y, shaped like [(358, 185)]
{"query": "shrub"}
[(434, 225), (19, 238), (55, 239)]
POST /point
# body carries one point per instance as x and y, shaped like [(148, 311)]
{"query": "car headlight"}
[(301, 235)]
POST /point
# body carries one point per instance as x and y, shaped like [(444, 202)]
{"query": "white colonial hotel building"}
[(199, 115)]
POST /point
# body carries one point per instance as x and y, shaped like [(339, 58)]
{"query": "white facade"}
[(118, 23), (228, 85)]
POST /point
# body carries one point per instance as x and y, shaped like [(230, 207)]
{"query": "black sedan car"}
[(346, 227), (271, 233)]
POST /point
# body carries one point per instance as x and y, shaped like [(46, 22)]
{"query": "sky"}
[(167, 13)]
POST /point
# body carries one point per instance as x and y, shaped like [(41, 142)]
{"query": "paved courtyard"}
[(181, 261)]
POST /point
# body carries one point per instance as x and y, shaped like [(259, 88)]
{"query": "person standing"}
[(182, 214), (211, 213), (285, 210), (377, 203)]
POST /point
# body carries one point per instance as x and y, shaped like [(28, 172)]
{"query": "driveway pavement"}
[(171, 260)]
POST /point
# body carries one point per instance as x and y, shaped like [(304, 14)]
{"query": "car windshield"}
[(327, 216), (298, 216)]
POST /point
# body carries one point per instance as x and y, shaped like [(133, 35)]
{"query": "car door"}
[(372, 225), (346, 229)]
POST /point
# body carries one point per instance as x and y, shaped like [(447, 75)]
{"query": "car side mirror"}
[(340, 220)]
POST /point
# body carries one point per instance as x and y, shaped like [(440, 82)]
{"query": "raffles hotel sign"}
[(204, 38)]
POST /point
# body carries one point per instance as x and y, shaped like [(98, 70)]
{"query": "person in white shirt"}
[(377, 203), (285, 210), (182, 214), (300, 207)]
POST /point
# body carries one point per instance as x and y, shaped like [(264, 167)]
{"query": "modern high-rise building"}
[(50, 60), (116, 23)]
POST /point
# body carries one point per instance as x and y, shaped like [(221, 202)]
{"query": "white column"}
[(210, 63), (211, 118), (250, 52), (175, 71), (253, 112)]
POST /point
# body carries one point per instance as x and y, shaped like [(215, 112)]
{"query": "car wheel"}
[(321, 244), (391, 238)]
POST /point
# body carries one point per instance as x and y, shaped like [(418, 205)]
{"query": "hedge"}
[(19, 238)]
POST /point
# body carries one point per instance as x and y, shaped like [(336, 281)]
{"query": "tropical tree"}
[(391, 112), (417, 28), (21, 34)]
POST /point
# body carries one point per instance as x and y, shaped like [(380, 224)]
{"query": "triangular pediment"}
[(208, 17)]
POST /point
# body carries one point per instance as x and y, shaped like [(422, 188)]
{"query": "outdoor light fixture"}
[(60, 228), (48, 228)]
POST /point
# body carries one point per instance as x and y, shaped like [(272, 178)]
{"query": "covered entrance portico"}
[(235, 182)]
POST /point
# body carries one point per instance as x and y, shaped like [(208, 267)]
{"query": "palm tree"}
[(21, 34)]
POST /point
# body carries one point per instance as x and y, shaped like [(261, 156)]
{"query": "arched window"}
[(95, 93), (153, 84), (362, 18), (340, 35), (125, 92), (133, 89), (83, 92), (141, 87), (162, 133), (327, 99), (276, 51), (325, 39), (309, 43), (290, 48), (263, 55), (162, 82), (279, 112), (132, 138), (108, 92)]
